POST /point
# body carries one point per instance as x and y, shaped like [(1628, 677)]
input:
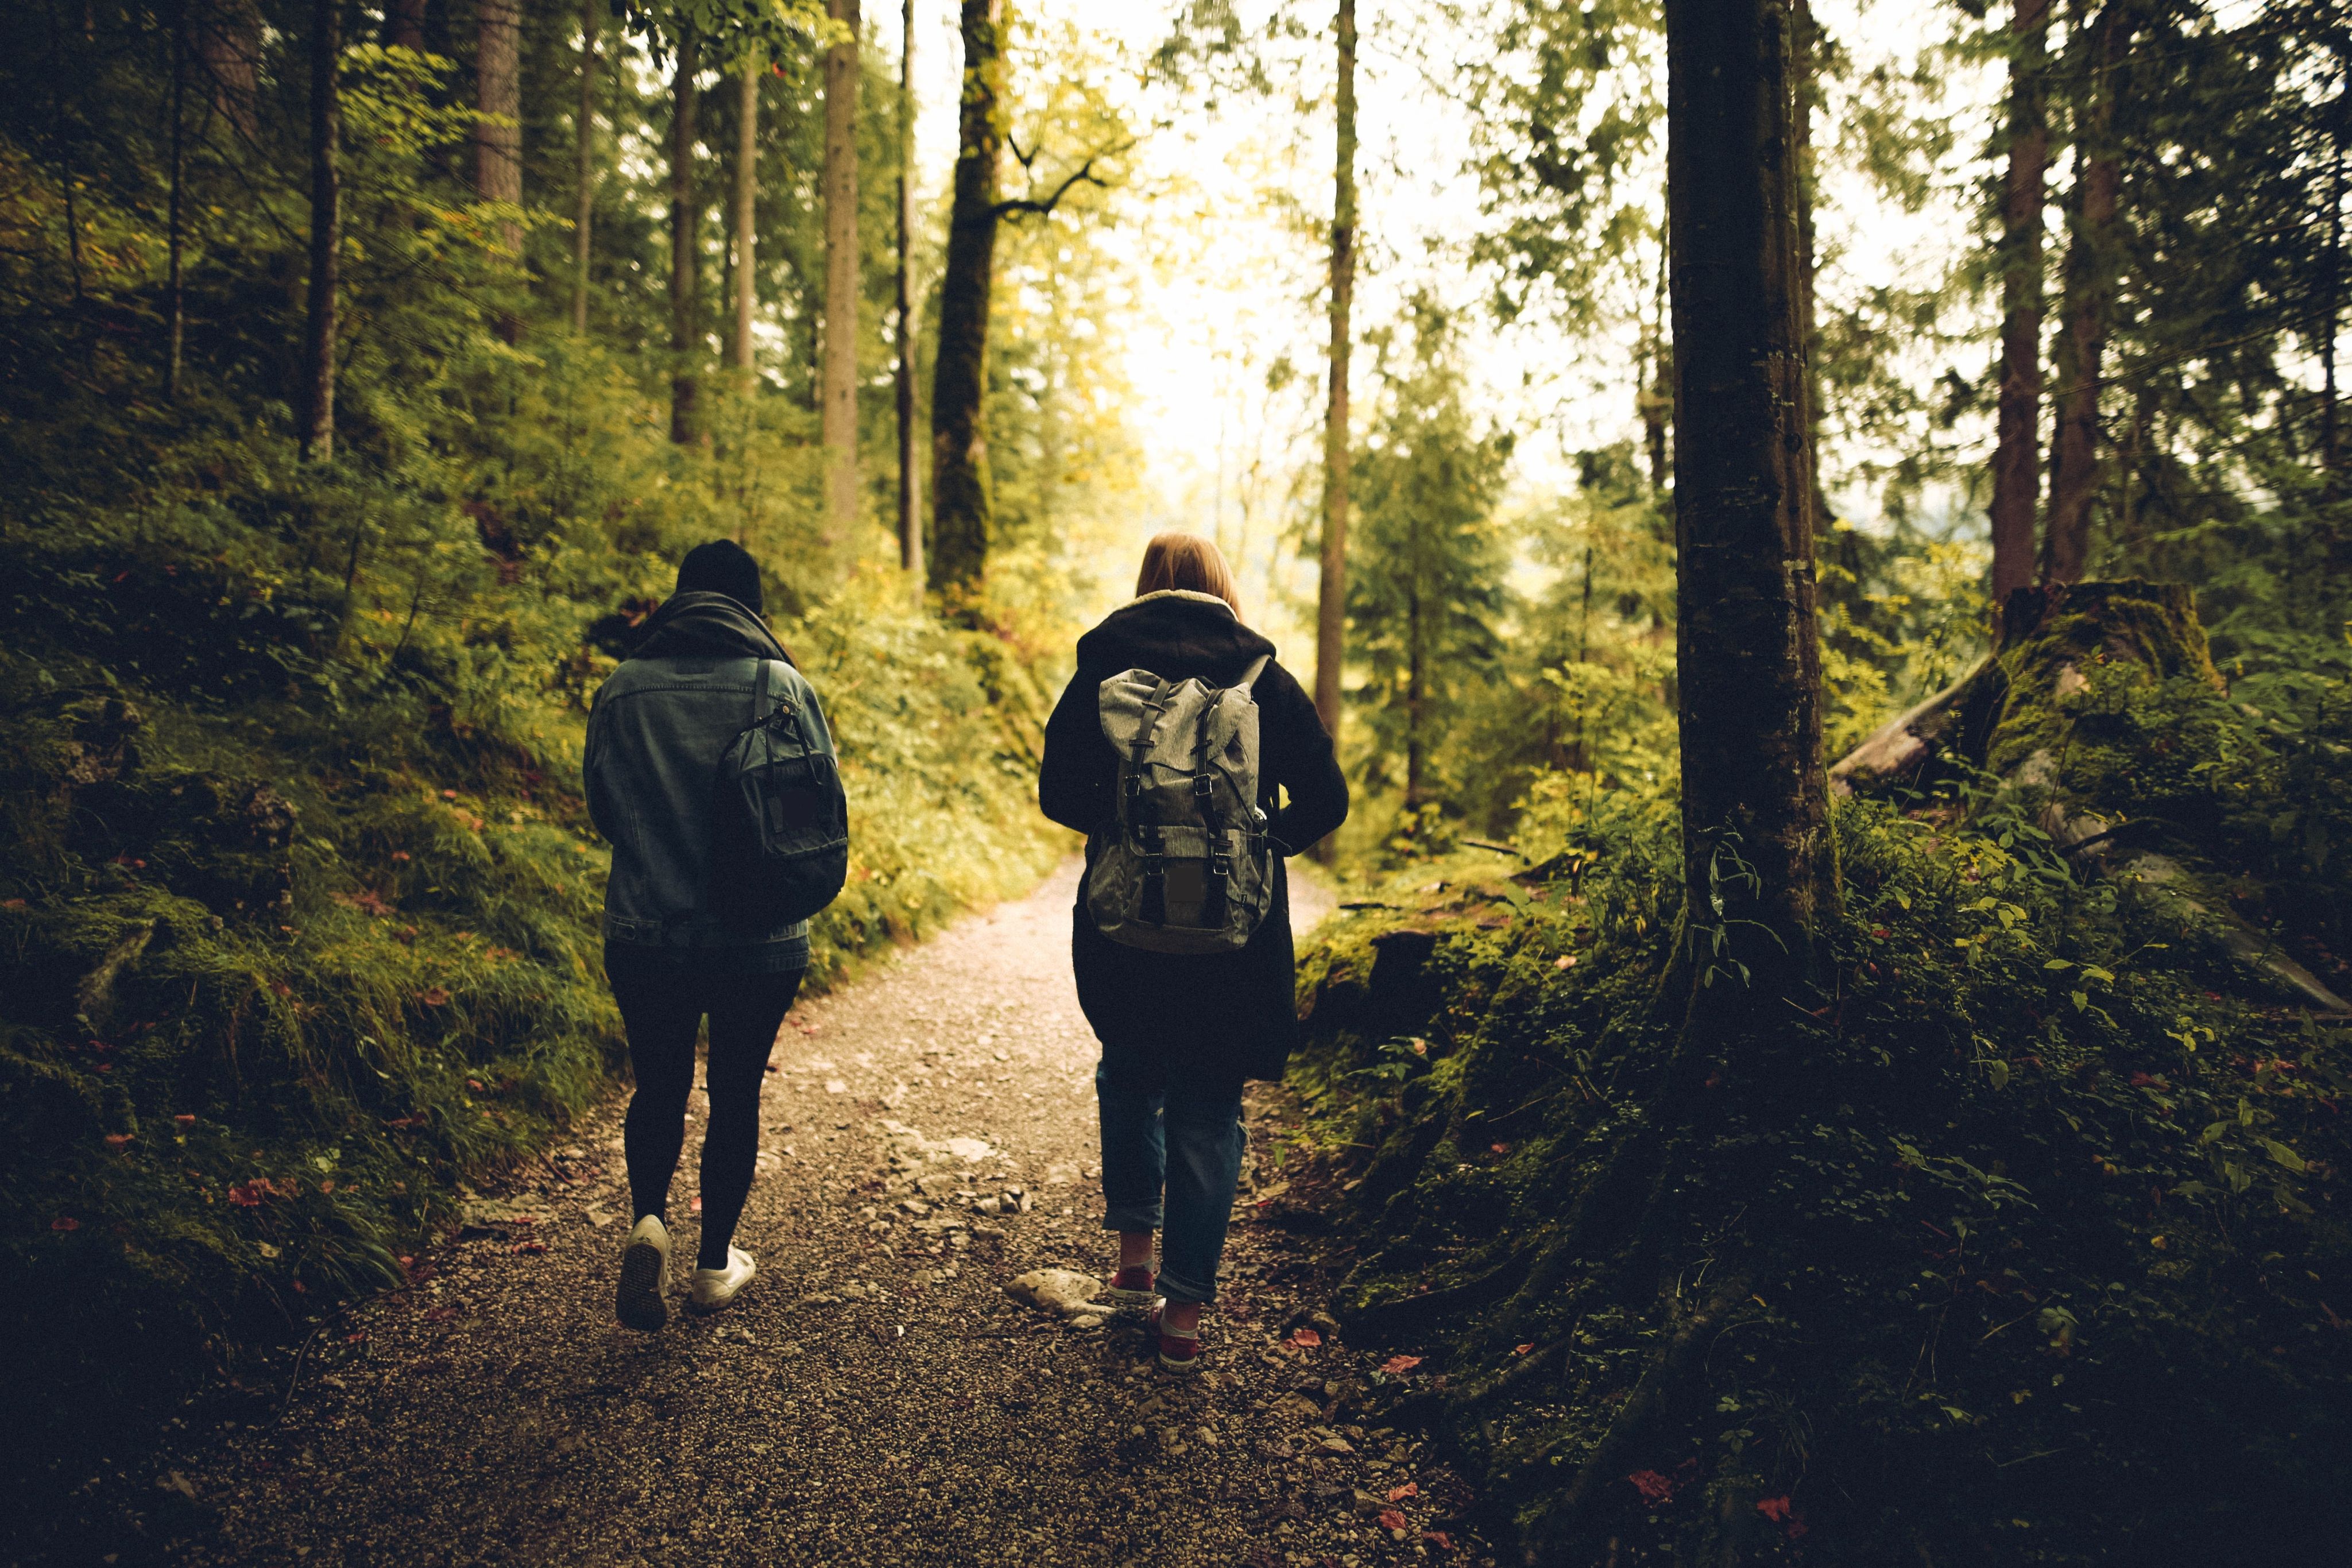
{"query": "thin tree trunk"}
[(2090, 279), (317, 434), (1806, 35), (497, 95), (2335, 283), (2017, 451), (175, 299), (1416, 738), (1655, 400), (747, 213), (961, 501), (1331, 589), (839, 417), (403, 25), (910, 506), (685, 247), (583, 211), (1759, 859)]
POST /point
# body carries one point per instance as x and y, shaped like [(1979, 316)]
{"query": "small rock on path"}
[(875, 1396)]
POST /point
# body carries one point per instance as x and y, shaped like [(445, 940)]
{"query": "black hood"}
[(1175, 635), (706, 626)]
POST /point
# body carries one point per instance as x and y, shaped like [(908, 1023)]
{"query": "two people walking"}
[(1193, 761)]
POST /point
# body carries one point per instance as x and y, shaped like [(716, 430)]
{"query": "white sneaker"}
[(714, 1288), (643, 1299)]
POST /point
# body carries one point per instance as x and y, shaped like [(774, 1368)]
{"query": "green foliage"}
[(2055, 1205), (1425, 589)]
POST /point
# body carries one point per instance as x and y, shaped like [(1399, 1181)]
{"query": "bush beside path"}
[(878, 1395)]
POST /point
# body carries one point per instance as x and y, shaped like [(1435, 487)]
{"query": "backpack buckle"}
[(1204, 787)]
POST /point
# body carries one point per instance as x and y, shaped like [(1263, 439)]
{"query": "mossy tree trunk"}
[(961, 502), (2009, 716), (1759, 867)]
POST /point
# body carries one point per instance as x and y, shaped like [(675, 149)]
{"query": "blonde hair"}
[(1189, 562)]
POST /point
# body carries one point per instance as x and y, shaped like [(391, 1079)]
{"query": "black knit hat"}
[(722, 565)]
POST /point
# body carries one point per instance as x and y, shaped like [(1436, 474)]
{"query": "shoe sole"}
[(1132, 1297), (640, 1304), (1185, 1368)]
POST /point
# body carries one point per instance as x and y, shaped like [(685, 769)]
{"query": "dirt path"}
[(875, 1396)]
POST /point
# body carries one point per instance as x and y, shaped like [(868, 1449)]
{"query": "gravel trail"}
[(875, 1395)]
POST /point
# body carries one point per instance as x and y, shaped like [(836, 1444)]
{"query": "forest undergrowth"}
[(2035, 1229), (298, 892)]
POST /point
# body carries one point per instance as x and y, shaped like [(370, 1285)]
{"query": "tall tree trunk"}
[(2017, 450), (175, 298), (497, 95), (2333, 303), (1806, 35), (685, 245), (583, 211), (747, 213), (226, 36), (839, 418), (1331, 588), (1416, 691), (1759, 860), (2090, 280), (1654, 402), (961, 501), (403, 25), (317, 433), (910, 502)]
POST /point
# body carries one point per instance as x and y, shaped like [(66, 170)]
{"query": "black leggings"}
[(662, 1008)]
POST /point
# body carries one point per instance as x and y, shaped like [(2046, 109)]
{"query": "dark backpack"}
[(780, 821)]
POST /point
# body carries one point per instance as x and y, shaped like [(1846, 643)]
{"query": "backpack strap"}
[(1154, 910), (1205, 801), (1257, 667)]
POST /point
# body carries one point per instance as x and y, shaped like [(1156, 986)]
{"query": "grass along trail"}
[(875, 1396)]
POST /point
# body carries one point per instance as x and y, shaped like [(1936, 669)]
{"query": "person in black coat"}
[(1181, 1032)]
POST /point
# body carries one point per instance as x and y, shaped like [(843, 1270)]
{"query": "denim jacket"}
[(655, 733)]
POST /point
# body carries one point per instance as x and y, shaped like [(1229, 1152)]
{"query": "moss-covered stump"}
[(2099, 712), (2042, 1261)]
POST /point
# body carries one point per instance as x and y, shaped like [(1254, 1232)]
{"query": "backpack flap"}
[(780, 841)]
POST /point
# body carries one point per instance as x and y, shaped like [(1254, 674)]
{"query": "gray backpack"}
[(1190, 870)]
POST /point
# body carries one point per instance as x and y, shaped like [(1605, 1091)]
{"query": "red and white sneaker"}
[(1135, 1286), (1178, 1353)]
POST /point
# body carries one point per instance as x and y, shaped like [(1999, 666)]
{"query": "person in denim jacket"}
[(655, 734)]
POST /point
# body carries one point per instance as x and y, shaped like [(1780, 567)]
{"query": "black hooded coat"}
[(1212, 1018)]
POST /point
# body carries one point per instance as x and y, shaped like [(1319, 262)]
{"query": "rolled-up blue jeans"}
[(1170, 1162)]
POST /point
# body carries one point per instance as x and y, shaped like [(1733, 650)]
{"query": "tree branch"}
[(1086, 175)]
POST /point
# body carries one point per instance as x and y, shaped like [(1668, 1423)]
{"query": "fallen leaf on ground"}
[(1523, 1349), (1390, 1518), (528, 1247), (433, 996), (1304, 1339), (1410, 1488), (1397, 1365)]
